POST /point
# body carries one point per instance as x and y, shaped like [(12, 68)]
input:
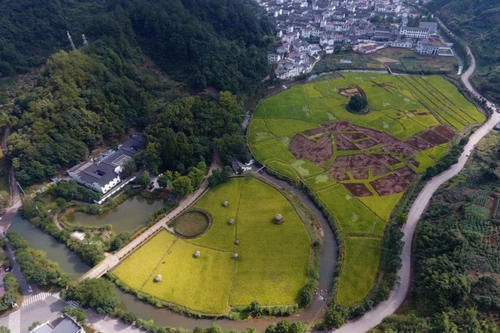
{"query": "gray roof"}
[(60, 325), (431, 26), (103, 171)]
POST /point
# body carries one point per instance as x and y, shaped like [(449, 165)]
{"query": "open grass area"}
[(272, 264), (359, 165), (398, 59), (360, 255)]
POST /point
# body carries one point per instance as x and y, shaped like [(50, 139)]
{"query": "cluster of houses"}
[(309, 29)]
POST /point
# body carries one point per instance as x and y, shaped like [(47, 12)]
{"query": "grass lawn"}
[(401, 106), (271, 268)]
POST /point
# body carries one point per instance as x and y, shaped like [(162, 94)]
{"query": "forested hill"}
[(478, 22), (90, 98), (220, 43)]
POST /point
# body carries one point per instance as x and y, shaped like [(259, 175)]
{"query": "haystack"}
[(197, 254), (230, 221), (225, 203), (278, 219), (158, 278)]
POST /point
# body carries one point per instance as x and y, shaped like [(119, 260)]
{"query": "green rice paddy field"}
[(402, 107), (271, 268)]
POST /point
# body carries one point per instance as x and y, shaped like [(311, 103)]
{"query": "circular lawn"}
[(192, 223)]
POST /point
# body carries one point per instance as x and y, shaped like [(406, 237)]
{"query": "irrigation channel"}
[(140, 210)]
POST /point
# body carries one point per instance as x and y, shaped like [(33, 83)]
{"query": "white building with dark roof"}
[(62, 324), (104, 174)]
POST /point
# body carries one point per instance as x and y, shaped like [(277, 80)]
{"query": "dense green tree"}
[(182, 186), (357, 103), (76, 313), (99, 294), (35, 265)]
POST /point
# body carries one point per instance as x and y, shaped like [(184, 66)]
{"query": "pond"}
[(126, 217), (56, 251)]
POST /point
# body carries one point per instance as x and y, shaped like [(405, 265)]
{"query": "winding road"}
[(374, 317)]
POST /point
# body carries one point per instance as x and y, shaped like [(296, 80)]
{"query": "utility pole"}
[(71, 40), (85, 41)]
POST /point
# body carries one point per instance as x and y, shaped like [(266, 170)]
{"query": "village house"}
[(103, 174), (63, 324)]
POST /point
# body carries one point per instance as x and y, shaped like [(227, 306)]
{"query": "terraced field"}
[(272, 264), (359, 166)]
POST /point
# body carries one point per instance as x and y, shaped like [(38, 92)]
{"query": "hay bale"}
[(235, 255), (230, 221), (197, 254), (158, 278), (278, 219), (236, 242), (225, 203)]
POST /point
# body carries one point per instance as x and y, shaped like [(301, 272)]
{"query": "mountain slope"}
[(477, 22)]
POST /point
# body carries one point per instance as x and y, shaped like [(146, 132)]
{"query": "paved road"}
[(374, 317), (39, 307)]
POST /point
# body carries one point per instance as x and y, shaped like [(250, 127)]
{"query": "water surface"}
[(126, 217)]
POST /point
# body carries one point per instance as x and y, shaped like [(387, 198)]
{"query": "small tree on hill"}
[(357, 103)]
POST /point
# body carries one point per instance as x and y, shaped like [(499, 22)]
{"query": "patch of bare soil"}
[(358, 189), (378, 161), (318, 151), (351, 91)]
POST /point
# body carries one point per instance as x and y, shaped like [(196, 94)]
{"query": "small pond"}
[(126, 217), (56, 251)]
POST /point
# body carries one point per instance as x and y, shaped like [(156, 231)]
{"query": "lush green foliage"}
[(70, 190), (357, 103), (286, 327), (77, 313), (478, 23), (11, 292), (79, 102), (99, 294), (90, 250), (182, 134), (217, 43), (457, 253), (219, 176), (35, 265), (92, 96)]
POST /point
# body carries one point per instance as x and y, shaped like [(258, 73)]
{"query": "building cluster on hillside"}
[(309, 29)]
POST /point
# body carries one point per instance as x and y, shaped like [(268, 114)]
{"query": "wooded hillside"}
[(477, 22)]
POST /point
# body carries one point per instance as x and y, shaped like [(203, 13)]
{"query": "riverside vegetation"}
[(456, 287)]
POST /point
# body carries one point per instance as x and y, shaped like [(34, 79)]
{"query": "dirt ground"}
[(387, 151)]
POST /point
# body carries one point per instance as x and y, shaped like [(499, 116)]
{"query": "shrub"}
[(99, 294), (357, 104)]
